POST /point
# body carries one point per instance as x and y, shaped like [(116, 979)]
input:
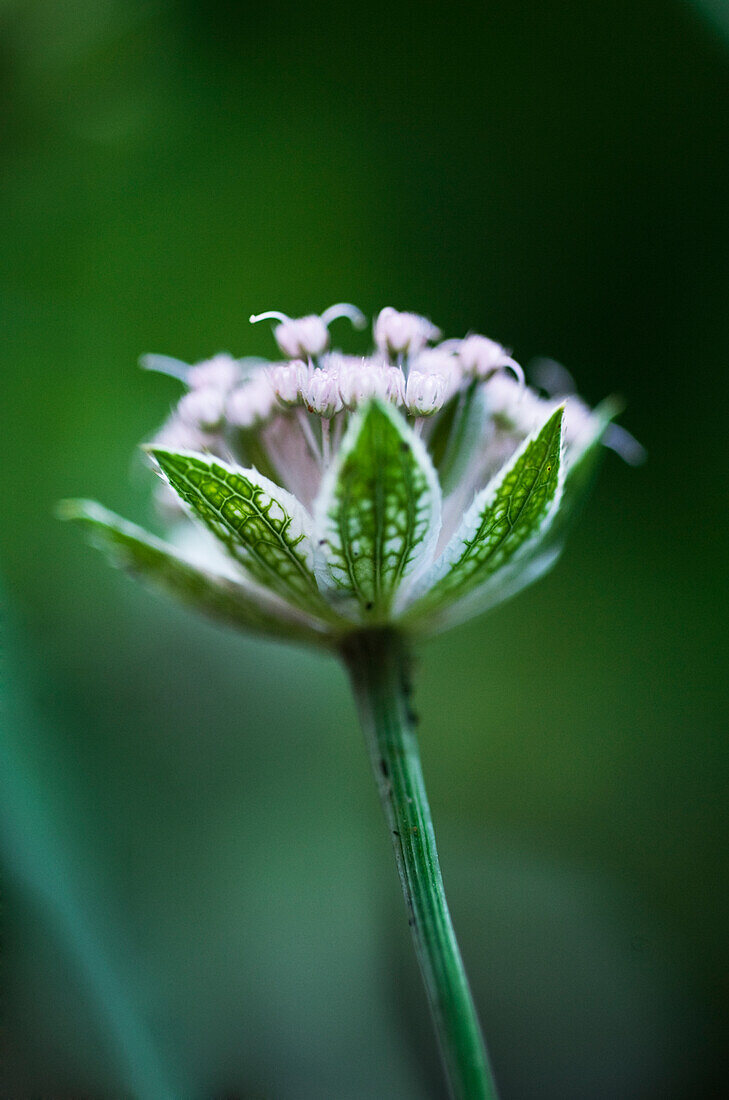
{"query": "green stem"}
[(377, 661)]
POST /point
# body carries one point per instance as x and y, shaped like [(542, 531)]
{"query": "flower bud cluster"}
[(343, 382), (228, 401)]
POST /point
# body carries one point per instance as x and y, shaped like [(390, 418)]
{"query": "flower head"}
[(416, 486), (403, 333)]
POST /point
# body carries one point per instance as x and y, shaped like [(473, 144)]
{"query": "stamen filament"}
[(336, 435), (269, 315), (326, 447), (344, 309), (305, 424), (511, 364)]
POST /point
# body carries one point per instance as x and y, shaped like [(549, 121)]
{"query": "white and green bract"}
[(377, 515), (412, 488)]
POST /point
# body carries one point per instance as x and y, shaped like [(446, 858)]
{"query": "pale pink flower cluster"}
[(289, 415)]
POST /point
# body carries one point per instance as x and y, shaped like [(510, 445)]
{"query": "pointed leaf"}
[(263, 527), (378, 513), (505, 519), (581, 465), (501, 586), (158, 564)]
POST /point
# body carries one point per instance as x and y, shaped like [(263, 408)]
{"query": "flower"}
[(327, 493)]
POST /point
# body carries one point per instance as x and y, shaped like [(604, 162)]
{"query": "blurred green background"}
[(199, 897)]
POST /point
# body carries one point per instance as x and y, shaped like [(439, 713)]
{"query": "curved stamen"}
[(165, 364), (621, 441), (270, 314), (507, 363), (344, 309)]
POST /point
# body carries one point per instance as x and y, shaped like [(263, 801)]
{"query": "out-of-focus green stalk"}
[(378, 667), (51, 879)]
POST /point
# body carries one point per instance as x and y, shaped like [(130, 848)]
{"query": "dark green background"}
[(199, 896)]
